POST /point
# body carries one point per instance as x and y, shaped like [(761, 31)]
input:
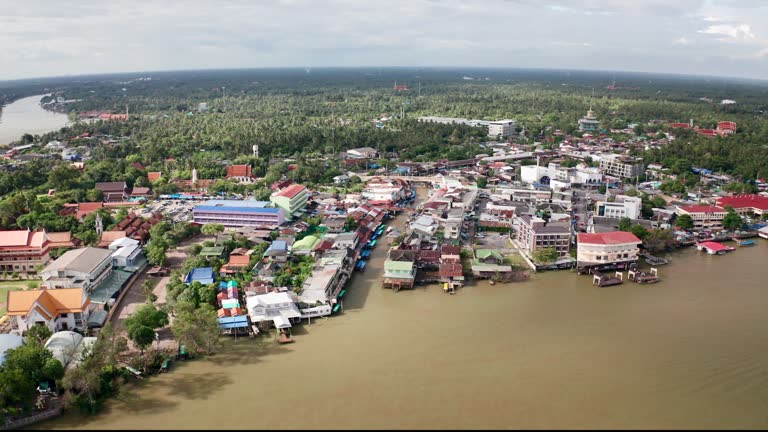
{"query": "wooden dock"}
[(644, 278), (603, 280)]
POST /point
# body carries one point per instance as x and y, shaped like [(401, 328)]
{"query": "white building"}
[(278, 307), (624, 206), (57, 309), (502, 128), (607, 248), (78, 268), (704, 216)]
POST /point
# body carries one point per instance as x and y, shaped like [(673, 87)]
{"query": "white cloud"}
[(56, 37), (734, 32)]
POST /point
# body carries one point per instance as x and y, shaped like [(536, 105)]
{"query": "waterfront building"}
[(622, 166), (23, 250), (234, 213), (616, 247), (79, 268), (292, 199), (57, 309), (589, 122), (624, 206), (385, 190), (535, 233), (704, 216), (329, 276), (279, 308), (399, 269), (745, 203)]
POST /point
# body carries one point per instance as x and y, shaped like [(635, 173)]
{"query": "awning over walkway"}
[(281, 322)]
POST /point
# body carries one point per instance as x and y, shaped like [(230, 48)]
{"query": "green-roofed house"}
[(399, 269), (212, 252), (489, 256), (305, 245), (489, 263)]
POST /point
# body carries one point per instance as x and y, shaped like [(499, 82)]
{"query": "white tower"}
[(194, 175), (255, 150), (99, 224)]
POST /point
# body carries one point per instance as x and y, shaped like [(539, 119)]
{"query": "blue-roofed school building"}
[(204, 275), (234, 213)]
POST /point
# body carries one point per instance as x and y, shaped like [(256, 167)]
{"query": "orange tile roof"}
[(238, 260), (291, 191), (53, 301), (154, 175)]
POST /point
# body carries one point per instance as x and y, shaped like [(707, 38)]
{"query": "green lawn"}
[(10, 286), (515, 260)]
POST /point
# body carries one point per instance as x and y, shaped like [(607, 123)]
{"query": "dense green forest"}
[(312, 115)]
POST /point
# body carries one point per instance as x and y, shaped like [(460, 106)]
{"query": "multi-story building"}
[(535, 233), (622, 166), (23, 250), (745, 203), (589, 122), (501, 128), (57, 309), (234, 213), (399, 269), (624, 206), (78, 268), (383, 190), (616, 247), (292, 199), (704, 216), (329, 276)]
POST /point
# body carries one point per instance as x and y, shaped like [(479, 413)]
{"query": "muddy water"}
[(554, 352), (27, 116)]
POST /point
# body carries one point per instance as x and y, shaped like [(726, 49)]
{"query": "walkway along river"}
[(553, 352)]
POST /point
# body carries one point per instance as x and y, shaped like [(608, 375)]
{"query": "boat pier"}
[(637, 276), (604, 280)]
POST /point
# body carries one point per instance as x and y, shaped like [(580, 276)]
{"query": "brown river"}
[(553, 352)]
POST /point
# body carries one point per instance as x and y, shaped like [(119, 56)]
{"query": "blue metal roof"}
[(239, 209), (278, 245), (233, 322)]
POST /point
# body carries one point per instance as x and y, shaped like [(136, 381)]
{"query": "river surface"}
[(553, 352), (27, 116)]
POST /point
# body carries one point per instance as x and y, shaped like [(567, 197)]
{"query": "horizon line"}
[(508, 68)]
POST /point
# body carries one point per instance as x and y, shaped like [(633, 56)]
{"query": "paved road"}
[(135, 297)]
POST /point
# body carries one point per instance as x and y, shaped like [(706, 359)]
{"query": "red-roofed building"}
[(292, 199), (726, 127), (276, 186), (241, 173), (745, 203), (680, 125), (616, 247), (704, 216), (154, 176), (23, 250)]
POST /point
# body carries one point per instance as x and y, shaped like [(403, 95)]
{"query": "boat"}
[(360, 266), (336, 308), (341, 294), (745, 242), (284, 336)]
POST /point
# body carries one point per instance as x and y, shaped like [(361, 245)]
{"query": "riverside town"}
[(393, 240)]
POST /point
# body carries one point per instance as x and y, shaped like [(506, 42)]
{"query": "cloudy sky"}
[(67, 37)]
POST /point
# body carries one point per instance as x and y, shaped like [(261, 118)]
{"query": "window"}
[(64, 315)]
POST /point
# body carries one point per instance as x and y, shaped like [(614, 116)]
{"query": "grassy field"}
[(10, 286)]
